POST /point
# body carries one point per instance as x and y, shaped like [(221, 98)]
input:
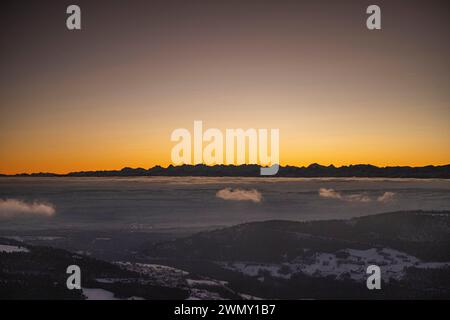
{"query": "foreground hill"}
[(423, 234), (35, 272), (324, 259)]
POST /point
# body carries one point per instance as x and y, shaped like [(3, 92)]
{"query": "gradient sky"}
[(110, 95)]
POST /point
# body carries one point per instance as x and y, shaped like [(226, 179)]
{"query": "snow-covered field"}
[(98, 294), (150, 269), (200, 288), (34, 238), (102, 294), (203, 294), (11, 249), (192, 282), (344, 264), (159, 274)]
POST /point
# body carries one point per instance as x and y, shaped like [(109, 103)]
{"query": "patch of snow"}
[(106, 280), (17, 238), (149, 268), (10, 249), (253, 269), (213, 283), (34, 238), (192, 282), (98, 294), (202, 294), (158, 274), (249, 297), (344, 264), (102, 294), (45, 238)]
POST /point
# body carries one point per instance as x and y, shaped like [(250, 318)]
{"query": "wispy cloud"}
[(239, 195), (387, 196), (329, 193), (14, 207), (355, 197)]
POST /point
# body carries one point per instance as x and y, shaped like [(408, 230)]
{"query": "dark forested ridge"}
[(425, 234), (39, 272), (324, 259)]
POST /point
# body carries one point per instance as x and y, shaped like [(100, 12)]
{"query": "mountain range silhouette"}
[(250, 170)]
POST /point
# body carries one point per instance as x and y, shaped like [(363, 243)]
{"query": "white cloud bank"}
[(358, 197), (239, 195), (14, 207)]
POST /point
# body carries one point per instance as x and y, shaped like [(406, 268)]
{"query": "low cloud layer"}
[(355, 197), (14, 207), (239, 195)]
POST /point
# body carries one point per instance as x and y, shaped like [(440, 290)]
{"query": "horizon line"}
[(220, 165)]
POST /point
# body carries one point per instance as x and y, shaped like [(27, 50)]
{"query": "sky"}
[(110, 95)]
